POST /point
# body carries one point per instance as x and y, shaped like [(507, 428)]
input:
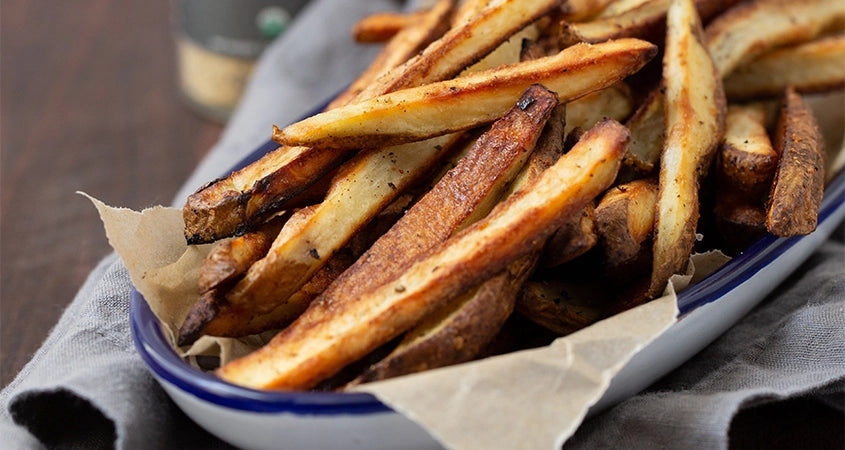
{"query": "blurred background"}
[(91, 100)]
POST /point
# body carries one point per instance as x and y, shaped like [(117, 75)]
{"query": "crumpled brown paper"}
[(530, 399)]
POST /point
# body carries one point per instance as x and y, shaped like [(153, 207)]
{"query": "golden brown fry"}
[(464, 44), (816, 66), (695, 120), (573, 239), (226, 207), (381, 26), (561, 306), (228, 260), (647, 134), (615, 102), (580, 10), (746, 159), (645, 21), (797, 189), (750, 29), (457, 331), (212, 315), (471, 100), (328, 336), (362, 188), (625, 224), (618, 7), (408, 42)]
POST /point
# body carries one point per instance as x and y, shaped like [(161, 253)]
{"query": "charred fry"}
[(750, 29), (625, 224), (796, 194), (295, 359), (458, 330)]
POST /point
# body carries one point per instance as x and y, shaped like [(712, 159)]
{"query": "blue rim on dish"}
[(166, 364)]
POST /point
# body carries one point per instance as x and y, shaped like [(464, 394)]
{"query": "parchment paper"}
[(530, 399)]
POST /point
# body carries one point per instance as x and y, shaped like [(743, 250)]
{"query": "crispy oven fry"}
[(428, 26), (645, 21), (328, 336), (695, 119), (360, 190), (472, 100), (749, 29), (625, 224), (212, 315), (458, 331), (381, 26), (746, 159), (229, 206), (815, 66), (420, 218), (796, 194), (230, 259)]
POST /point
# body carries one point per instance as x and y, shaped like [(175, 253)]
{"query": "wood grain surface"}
[(89, 101)]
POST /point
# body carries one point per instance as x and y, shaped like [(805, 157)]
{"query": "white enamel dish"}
[(250, 418)]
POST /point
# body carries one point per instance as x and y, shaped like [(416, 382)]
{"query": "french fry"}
[(328, 335), (458, 331), (405, 44), (213, 315), (797, 189), (380, 27), (749, 29), (647, 135), (227, 206), (816, 66), (472, 100), (574, 238), (229, 260), (615, 102), (363, 187), (746, 159), (561, 306), (695, 119), (645, 21), (625, 222), (618, 7)]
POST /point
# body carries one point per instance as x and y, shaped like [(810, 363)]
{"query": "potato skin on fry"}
[(625, 224), (746, 159), (798, 186), (317, 346)]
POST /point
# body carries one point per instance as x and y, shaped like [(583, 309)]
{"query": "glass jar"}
[(218, 43)]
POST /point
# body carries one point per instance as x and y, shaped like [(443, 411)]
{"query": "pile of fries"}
[(509, 171)]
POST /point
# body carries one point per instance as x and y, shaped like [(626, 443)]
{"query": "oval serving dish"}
[(250, 418)]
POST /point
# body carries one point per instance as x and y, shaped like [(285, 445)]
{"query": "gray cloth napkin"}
[(87, 387)]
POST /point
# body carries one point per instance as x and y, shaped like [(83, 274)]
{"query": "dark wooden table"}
[(90, 102)]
